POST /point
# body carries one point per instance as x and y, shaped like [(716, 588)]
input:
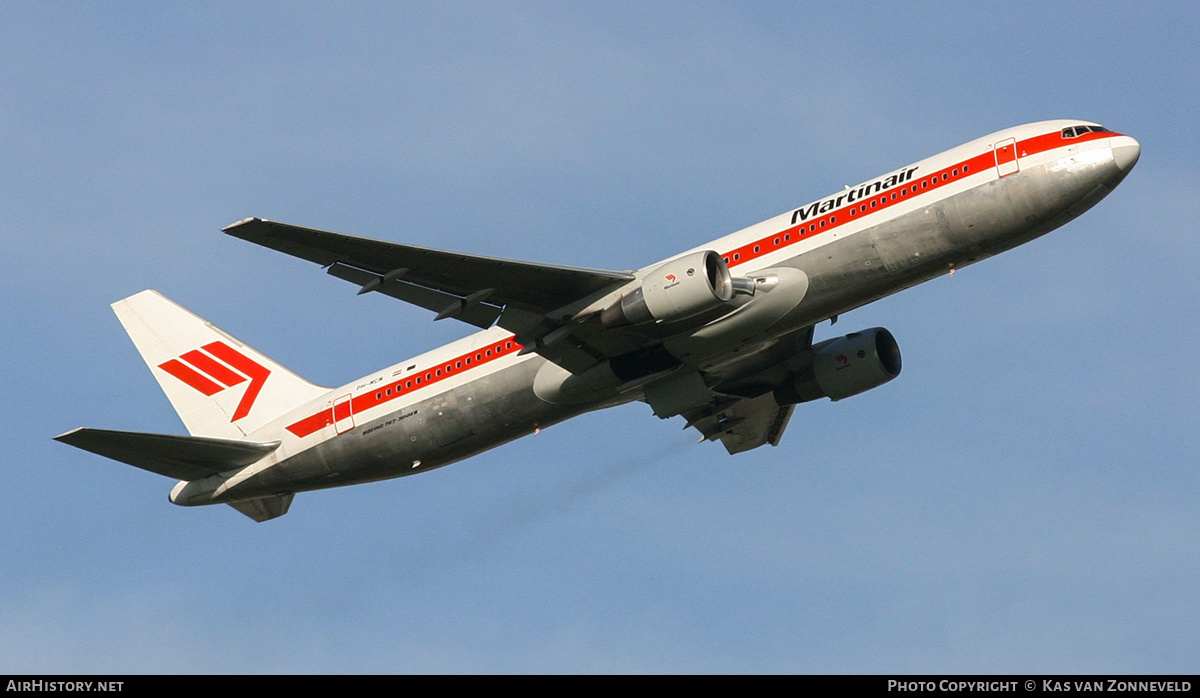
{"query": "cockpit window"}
[(1076, 131)]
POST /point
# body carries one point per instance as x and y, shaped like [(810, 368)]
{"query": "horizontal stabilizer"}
[(179, 457)]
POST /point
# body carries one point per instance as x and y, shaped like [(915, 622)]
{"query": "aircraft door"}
[(343, 414), (1006, 156)]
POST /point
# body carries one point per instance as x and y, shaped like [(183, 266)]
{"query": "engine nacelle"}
[(844, 366), (679, 289)]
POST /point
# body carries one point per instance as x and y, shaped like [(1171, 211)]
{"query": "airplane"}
[(720, 335)]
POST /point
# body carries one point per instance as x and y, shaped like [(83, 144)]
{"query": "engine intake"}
[(677, 290), (843, 367)]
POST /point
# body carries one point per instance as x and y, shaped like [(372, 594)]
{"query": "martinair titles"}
[(851, 195)]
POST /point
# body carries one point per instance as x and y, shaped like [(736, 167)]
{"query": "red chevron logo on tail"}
[(220, 368)]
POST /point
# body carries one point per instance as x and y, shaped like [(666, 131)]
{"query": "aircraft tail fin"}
[(220, 387)]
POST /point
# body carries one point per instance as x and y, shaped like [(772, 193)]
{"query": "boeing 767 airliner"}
[(721, 335)]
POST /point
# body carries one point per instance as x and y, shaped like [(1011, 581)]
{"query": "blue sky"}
[(1021, 499)]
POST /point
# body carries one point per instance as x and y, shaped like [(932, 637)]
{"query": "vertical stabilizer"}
[(219, 386)]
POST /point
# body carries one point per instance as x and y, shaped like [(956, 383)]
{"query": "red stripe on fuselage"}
[(808, 229), (410, 383), (897, 194)]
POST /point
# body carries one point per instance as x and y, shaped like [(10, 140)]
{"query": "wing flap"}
[(745, 423), (179, 457), (482, 315)]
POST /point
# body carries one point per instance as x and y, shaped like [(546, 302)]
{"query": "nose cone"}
[(1126, 152)]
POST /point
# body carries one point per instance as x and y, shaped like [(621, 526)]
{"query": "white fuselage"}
[(848, 249)]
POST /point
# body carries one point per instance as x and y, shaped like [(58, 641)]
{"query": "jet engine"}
[(843, 367), (681, 288)]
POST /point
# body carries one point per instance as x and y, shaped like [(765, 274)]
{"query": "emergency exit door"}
[(1006, 157), (343, 414)]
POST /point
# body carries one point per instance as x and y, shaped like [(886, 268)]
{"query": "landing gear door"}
[(1006, 157), (343, 414)]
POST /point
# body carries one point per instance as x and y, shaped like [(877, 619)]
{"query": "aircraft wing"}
[(472, 288), (521, 297)]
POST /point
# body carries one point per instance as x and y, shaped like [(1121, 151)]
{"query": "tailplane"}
[(180, 457), (220, 387), (184, 458)]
